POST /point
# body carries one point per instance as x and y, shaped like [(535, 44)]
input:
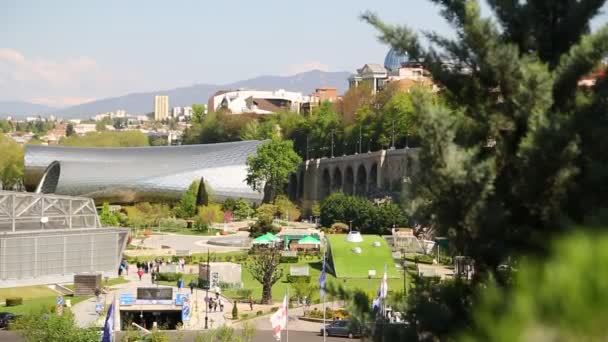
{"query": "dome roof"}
[(394, 60)]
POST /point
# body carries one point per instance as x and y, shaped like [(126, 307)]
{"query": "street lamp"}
[(207, 286)]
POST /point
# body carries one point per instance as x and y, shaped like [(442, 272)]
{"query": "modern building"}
[(397, 69), (176, 112), (257, 101), (141, 174), (47, 239), (323, 94), (161, 107)]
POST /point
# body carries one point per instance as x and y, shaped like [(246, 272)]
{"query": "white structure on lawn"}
[(257, 101)]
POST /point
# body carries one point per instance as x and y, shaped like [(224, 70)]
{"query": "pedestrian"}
[(192, 285), (210, 304), (214, 305), (251, 303), (180, 284), (152, 276), (120, 268), (221, 305), (126, 266), (145, 267), (140, 273)]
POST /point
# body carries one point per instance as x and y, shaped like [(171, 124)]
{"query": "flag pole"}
[(323, 299), (287, 314)]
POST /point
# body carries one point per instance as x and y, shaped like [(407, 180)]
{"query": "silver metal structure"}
[(49, 238), (139, 174)]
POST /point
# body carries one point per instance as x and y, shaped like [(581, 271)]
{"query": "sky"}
[(61, 53)]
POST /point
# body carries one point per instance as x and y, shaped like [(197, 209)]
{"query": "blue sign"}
[(59, 300), (127, 299), (98, 308), (179, 298), (185, 308)]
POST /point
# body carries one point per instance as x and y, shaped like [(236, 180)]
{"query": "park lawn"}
[(348, 264), (26, 292), (369, 286), (35, 304), (185, 231)]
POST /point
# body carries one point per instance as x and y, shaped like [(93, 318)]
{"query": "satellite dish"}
[(44, 219)]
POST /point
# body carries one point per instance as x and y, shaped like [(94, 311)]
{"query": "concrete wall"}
[(364, 174)]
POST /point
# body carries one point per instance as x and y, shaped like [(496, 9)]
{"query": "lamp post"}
[(207, 286)]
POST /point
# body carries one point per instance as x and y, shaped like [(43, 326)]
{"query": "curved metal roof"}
[(137, 174)]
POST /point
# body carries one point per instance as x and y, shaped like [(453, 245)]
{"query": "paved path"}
[(86, 315)]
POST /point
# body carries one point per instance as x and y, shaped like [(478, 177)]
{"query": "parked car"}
[(342, 327), (6, 318)]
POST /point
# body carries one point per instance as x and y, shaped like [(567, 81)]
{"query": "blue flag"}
[(322, 279), (108, 327)]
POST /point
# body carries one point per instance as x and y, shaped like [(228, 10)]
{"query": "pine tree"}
[(514, 141)]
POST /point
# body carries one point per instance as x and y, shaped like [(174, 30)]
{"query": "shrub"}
[(211, 213), (420, 259), (14, 301), (286, 208), (244, 293), (244, 316), (173, 223), (168, 276), (339, 228), (289, 259), (235, 311), (259, 313), (293, 279)]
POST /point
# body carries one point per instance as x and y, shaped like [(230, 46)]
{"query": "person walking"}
[(251, 303), (140, 273), (126, 267), (192, 285), (180, 284), (221, 305)]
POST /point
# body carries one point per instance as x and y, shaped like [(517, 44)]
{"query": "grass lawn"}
[(185, 231), (351, 265), (34, 304), (34, 298), (278, 290)]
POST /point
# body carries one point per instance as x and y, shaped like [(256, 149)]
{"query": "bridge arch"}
[(337, 180), (361, 184), (372, 181), (325, 188), (349, 181)]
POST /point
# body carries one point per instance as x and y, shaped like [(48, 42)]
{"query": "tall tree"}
[(11, 163), (502, 155), (270, 168), (69, 130), (264, 267), (198, 112)]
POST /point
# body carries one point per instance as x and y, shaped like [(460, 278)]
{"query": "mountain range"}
[(142, 103)]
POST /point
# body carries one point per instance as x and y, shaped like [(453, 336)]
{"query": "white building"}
[(161, 107), (187, 111), (177, 111), (257, 101), (82, 129)]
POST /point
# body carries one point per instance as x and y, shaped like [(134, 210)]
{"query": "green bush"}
[(293, 279), (14, 301), (259, 313), (173, 223), (244, 316), (168, 276), (289, 260), (421, 259), (244, 293)]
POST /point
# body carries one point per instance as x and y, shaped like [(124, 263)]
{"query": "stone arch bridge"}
[(364, 174)]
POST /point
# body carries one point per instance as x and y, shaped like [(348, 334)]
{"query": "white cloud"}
[(307, 66), (56, 83)]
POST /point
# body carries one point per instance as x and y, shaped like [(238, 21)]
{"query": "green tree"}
[(187, 206), (107, 217), (47, 326), (563, 298), (504, 152), (69, 130), (270, 168), (242, 210), (11, 163), (100, 126), (5, 126), (264, 268), (198, 112)]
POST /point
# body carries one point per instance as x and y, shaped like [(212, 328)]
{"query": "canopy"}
[(265, 239), (309, 240)]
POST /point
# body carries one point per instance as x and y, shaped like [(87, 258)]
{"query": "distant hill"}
[(22, 109), (141, 103)]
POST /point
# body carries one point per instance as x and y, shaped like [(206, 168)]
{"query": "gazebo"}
[(309, 242), (265, 239)]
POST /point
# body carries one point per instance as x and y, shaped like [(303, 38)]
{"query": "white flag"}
[(278, 320)]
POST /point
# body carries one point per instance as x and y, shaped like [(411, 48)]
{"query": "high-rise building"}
[(177, 111), (161, 107)]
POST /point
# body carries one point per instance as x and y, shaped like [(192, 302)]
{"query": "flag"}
[(384, 285), (278, 320), (108, 328), (322, 280)]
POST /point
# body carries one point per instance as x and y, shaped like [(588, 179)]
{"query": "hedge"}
[(14, 301), (289, 260), (293, 279), (169, 276)]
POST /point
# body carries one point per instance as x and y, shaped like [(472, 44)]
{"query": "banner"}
[(185, 308)]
